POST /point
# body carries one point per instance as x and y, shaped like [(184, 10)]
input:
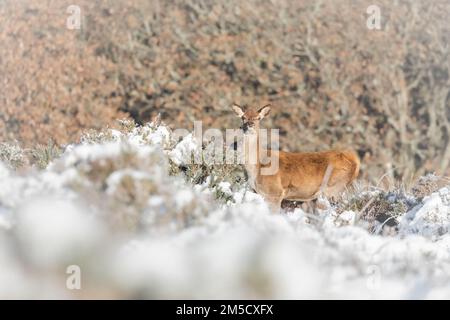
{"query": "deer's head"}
[(251, 118)]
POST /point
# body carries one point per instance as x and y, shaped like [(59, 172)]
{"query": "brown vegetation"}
[(332, 81)]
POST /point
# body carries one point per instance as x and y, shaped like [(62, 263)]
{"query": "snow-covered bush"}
[(431, 218), (140, 220), (377, 210), (425, 186), (12, 155), (42, 155), (222, 178)]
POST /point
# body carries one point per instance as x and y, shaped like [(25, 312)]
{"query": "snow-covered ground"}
[(111, 208)]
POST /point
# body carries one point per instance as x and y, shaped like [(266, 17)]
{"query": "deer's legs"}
[(274, 203), (274, 206), (310, 206), (314, 205)]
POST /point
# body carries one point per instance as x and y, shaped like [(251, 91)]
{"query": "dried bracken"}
[(425, 186), (332, 81)]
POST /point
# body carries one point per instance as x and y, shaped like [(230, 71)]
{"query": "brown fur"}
[(301, 175)]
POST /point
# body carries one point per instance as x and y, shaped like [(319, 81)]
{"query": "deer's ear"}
[(238, 110), (264, 111)]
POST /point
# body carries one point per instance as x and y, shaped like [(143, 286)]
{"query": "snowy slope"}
[(111, 207)]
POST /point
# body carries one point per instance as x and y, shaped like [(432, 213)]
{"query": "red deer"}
[(301, 176)]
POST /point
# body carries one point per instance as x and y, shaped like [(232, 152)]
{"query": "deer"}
[(300, 176)]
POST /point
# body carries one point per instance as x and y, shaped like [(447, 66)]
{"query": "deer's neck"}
[(251, 163)]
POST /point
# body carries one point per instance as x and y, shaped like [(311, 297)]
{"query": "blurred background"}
[(333, 82)]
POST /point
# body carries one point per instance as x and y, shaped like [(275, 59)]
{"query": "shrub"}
[(12, 155), (332, 81)]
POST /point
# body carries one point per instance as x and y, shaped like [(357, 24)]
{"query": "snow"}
[(4, 221), (53, 231), (112, 208), (432, 219), (225, 187), (183, 197), (117, 177), (185, 150)]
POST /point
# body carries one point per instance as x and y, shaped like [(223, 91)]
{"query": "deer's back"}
[(303, 173)]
